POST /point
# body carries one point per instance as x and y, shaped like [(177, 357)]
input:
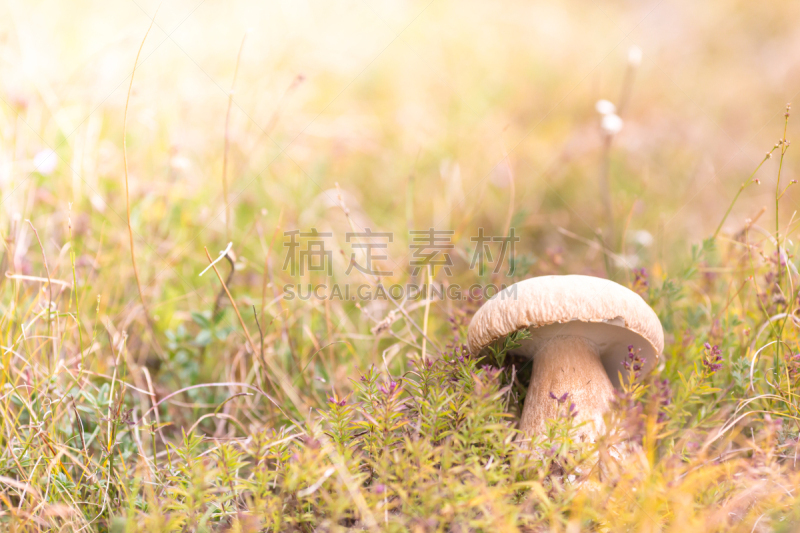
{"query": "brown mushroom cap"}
[(608, 314)]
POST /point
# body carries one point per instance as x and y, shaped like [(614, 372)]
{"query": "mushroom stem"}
[(567, 364)]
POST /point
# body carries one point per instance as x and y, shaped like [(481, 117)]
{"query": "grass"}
[(137, 395)]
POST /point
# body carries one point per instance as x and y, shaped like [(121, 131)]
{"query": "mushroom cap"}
[(608, 314)]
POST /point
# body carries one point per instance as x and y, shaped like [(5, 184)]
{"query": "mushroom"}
[(580, 330)]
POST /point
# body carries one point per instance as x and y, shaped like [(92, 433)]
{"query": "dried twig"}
[(230, 256), (238, 314), (261, 335)]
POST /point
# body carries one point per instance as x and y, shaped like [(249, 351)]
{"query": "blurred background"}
[(611, 137), (453, 115)]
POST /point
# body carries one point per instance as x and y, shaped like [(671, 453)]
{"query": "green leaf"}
[(203, 338), (201, 320)]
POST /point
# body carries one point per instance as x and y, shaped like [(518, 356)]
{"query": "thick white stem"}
[(572, 365)]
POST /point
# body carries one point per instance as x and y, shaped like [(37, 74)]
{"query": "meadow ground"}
[(138, 395)]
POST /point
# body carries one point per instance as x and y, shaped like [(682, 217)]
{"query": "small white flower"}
[(626, 261), (98, 202), (604, 107), (44, 162), (180, 162), (611, 124), (634, 56), (643, 238)]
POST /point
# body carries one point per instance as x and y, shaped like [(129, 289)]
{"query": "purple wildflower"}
[(640, 283), (664, 398), (573, 410), (712, 359), (561, 399), (490, 372), (390, 389), (635, 362), (336, 401)]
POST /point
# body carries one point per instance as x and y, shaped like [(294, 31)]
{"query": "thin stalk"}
[(784, 147), (427, 313), (746, 184), (227, 144), (260, 333), (786, 189), (605, 186), (127, 189), (75, 294), (265, 277), (50, 301)]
